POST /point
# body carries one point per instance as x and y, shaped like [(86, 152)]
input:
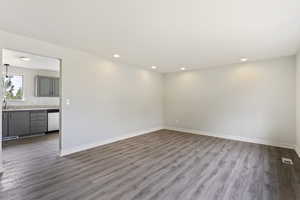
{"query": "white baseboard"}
[(114, 139), (233, 137), (297, 149), (194, 131)]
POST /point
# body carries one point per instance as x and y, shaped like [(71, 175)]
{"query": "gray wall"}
[(252, 101), (108, 99), (29, 86)]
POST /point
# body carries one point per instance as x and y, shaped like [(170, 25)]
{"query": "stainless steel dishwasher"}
[(53, 120)]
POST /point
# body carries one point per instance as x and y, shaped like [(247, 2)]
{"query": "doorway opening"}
[(31, 106)]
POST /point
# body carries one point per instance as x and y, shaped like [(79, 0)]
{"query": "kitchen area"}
[(23, 121), (31, 103)]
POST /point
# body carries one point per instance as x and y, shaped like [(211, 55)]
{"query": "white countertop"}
[(30, 108)]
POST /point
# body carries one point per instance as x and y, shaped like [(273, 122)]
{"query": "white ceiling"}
[(36, 62), (166, 33)]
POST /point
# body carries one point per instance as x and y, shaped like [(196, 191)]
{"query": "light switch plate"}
[(287, 161)]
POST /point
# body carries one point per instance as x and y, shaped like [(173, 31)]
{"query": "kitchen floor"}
[(164, 165)]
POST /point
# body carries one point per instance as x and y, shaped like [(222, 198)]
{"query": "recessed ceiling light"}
[(153, 67), (24, 58), (116, 56), (182, 68), (243, 59)]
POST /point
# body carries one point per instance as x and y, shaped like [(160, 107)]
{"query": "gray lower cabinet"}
[(18, 123), (38, 122), (5, 124), (24, 123)]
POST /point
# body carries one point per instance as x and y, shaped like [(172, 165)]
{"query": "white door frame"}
[(60, 102)]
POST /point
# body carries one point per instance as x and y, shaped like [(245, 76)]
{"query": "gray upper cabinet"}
[(18, 123), (47, 86), (56, 87), (44, 86)]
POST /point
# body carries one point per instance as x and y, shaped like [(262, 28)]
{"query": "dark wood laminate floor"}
[(164, 165)]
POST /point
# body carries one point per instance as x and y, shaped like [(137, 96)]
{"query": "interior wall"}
[(253, 101), (298, 102), (108, 100), (29, 87)]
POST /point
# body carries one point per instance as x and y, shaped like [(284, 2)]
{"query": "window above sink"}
[(14, 89)]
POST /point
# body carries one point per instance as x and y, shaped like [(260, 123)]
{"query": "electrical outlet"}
[(68, 101)]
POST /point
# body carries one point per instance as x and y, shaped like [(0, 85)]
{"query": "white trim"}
[(114, 139), (233, 137), (297, 149)]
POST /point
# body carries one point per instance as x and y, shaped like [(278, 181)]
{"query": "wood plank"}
[(165, 165)]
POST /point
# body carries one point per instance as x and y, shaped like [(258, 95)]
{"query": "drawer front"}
[(38, 121), (36, 129), (37, 115)]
